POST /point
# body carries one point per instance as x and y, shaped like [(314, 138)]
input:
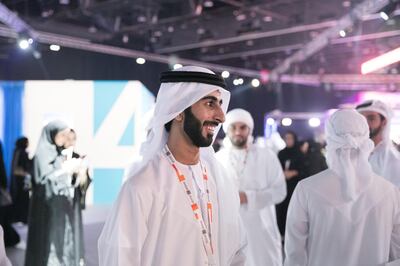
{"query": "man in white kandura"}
[(261, 184), (178, 208), (385, 158), (3, 257), (346, 215)]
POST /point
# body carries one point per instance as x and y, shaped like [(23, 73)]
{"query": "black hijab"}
[(293, 154)]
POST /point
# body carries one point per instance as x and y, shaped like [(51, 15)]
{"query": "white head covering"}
[(172, 99), (238, 115), (234, 116), (380, 108), (348, 148)]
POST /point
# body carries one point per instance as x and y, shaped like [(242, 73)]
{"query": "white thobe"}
[(3, 257), (385, 161), (323, 229), (152, 222), (261, 177)]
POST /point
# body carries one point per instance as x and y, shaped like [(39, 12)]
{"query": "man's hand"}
[(243, 197), (289, 174)]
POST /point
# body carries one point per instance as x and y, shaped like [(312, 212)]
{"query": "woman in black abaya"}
[(21, 169), (51, 219), (293, 168)]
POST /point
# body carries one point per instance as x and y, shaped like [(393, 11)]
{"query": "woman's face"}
[(289, 140), (61, 137)]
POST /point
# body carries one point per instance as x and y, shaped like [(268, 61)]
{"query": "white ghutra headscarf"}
[(234, 116), (348, 149), (172, 99)]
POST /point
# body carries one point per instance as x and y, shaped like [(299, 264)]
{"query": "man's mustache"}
[(210, 123)]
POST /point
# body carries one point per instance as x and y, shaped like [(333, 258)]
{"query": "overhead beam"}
[(358, 38), (249, 36), (365, 8), (260, 35), (257, 10), (86, 45), (12, 20)]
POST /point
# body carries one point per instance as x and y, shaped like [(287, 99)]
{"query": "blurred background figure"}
[(51, 232), (346, 215), (11, 237), (385, 158), (261, 184), (313, 160), (293, 169), (3, 257), (21, 172), (81, 180)]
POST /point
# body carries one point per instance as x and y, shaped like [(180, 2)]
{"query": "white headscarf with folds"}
[(380, 108), (172, 99), (348, 149), (234, 116)]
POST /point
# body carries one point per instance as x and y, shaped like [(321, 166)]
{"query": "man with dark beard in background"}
[(385, 158)]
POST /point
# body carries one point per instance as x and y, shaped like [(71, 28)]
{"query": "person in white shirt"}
[(346, 215), (261, 184), (178, 208), (3, 257), (385, 158)]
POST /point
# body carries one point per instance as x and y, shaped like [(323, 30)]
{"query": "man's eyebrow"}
[(213, 98)]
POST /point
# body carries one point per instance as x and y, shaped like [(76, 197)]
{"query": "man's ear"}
[(384, 122), (180, 117)]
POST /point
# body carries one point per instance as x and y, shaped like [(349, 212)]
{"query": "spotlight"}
[(225, 74), (125, 38), (255, 83), (388, 9), (342, 33), (314, 122), (286, 122), (270, 121), (55, 47), (236, 82), (176, 66), (267, 18), (384, 16), (37, 55), (381, 61), (23, 44), (240, 81), (208, 3), (140, 61)]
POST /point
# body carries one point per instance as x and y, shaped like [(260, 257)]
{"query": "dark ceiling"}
[(247, 34)]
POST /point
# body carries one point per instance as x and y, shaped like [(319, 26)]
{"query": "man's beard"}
[(374, 132), (192, 127), (238, 142)]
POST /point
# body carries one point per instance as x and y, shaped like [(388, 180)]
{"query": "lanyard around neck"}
[(205, 232)]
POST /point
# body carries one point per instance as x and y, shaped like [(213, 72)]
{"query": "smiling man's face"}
[(202, 119)]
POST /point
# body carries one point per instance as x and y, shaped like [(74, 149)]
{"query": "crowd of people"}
[(47, 194), (183, 204)]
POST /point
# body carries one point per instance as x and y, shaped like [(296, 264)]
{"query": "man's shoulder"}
[(147, 173), (264, 152)]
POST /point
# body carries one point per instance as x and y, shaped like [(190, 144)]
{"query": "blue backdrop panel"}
[(12, 118)]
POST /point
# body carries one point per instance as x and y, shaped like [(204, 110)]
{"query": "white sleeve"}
[(126, 228), (240, 256), (274, 192), (297, 230), (395, 238), (3, 257)]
